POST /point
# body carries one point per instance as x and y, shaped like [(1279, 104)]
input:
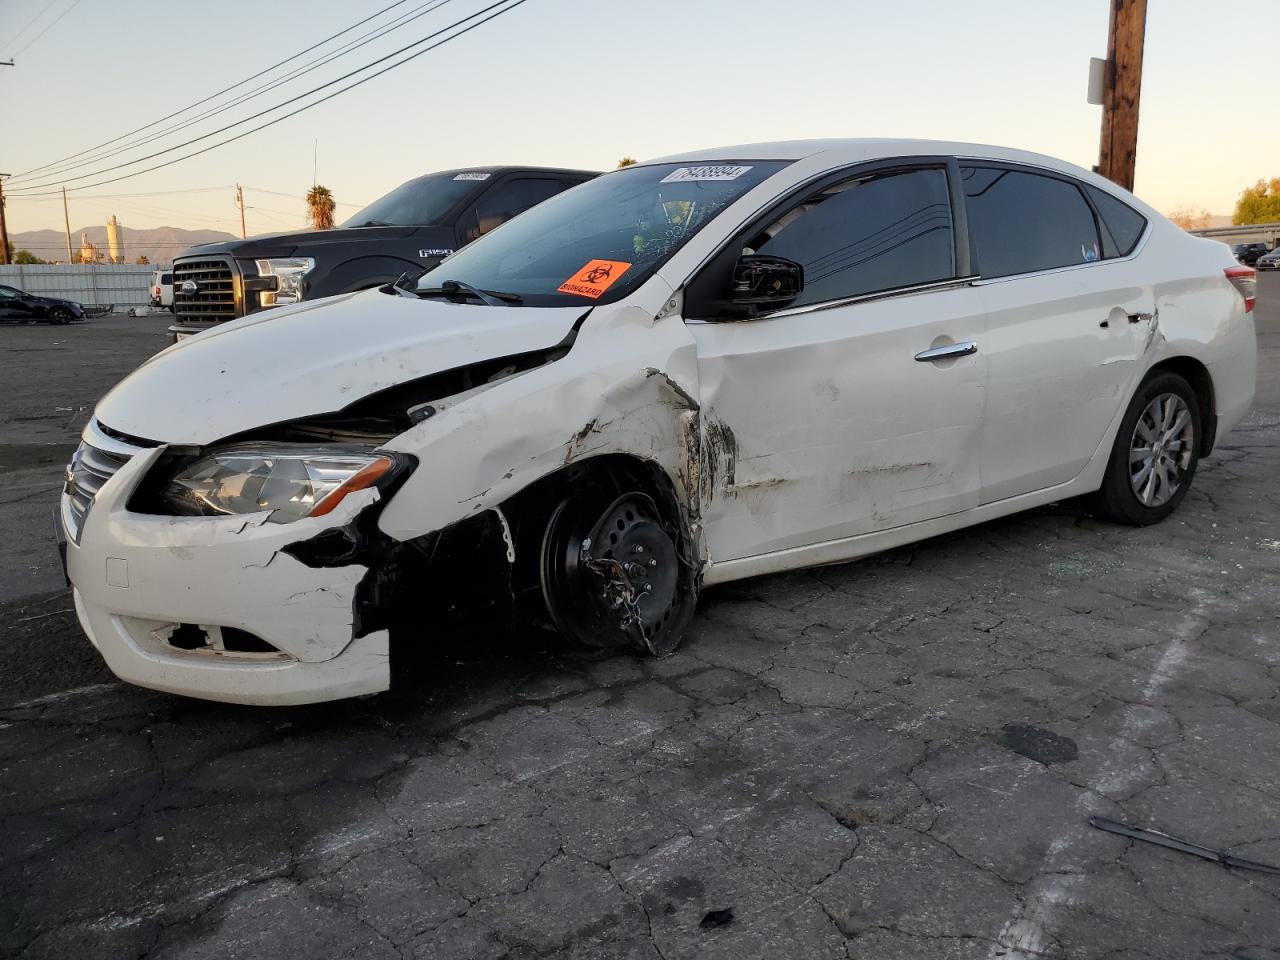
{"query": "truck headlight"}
[(288, 272), (291, 481)]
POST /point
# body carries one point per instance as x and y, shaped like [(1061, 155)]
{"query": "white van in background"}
[(162, 289)]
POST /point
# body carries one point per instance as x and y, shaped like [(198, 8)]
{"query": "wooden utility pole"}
[(66, 222), (4, 228), (1122, 88), (240, 203)]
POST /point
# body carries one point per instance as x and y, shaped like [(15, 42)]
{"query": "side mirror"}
[(760, 280)]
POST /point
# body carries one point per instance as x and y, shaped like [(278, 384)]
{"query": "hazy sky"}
[(577, 83)]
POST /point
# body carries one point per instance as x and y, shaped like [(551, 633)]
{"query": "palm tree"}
[(626, 162), (320, 208)]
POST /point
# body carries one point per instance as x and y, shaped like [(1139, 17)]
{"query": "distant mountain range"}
[(157, 244)]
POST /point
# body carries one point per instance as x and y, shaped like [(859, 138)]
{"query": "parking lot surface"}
[(894, 758)]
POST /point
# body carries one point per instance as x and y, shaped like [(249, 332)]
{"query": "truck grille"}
[(215, 296), (101, 453)]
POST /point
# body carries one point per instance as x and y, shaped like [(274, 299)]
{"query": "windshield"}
[(420, 202), (601, 240)]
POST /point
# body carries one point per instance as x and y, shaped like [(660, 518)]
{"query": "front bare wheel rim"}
[(1160, 450)]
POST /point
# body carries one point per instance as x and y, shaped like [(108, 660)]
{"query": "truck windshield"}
[(601, 240), (421, 202)]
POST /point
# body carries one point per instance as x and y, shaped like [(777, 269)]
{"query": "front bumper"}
[(138, 577)]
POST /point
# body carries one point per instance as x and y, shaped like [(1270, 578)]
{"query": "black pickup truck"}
[(412, 228)]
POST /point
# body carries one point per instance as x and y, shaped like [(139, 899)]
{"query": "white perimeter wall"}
[(123, 284)]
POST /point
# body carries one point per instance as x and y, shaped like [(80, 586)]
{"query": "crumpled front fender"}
[(628, 386)]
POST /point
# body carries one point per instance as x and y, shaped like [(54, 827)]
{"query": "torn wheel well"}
[(615, 473), (483, 569), (1197, 375), (529, 511)]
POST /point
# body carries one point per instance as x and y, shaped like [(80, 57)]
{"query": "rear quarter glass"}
[(1125, 224)]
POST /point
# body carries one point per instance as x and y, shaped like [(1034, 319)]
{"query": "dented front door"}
[(827, 423)]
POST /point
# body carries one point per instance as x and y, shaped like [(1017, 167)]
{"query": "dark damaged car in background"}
[(19, 306), (410, 230), (685, 372)]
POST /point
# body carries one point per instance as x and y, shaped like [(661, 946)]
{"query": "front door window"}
[(866, 235)]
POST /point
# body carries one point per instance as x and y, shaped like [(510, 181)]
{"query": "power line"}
[(27, 26), (299, 196), (74, 4), (286, 103), (301, 109), (147, 210), (135, 241), (128, 203), (238, 83), (294, 223), (60, 167), (153, 193), (31, 198)]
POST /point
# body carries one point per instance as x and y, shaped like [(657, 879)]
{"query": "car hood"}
[(314, 358), (300, 241)]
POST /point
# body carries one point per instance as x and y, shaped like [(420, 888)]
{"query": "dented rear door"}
[(1064, 326)]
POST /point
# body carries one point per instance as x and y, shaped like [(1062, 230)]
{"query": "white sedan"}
[(685, 372)]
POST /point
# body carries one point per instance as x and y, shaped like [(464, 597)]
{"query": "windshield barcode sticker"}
[(719, 172), (472, 176)]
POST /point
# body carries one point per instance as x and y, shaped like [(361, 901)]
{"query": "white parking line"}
[(1025, 934)]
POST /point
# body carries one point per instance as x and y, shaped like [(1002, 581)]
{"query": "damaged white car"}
[(685, 372)]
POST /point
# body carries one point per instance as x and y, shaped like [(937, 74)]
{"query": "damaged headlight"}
[(292, 482)]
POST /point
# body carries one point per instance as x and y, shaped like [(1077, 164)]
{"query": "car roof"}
[(516, 169), (855, 149), (841, 152)]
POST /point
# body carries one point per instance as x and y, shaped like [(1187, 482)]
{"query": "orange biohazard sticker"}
[(595, 278)]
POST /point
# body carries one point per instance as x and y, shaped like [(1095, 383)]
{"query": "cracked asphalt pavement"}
[(895, 758)]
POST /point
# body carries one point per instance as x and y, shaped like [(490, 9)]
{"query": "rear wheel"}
[(611, 573), (1155, 454)]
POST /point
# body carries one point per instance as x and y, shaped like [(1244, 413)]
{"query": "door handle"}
[(948, 351)]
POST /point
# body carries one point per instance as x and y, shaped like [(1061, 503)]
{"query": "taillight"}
[(1245, 280)]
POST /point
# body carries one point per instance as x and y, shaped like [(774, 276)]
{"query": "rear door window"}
[(866, 235), (504, 201), (1023, 222), (1122, 226)]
